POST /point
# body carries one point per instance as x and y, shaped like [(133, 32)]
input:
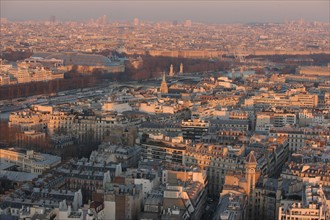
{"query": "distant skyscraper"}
[(102, 20), (136, 21), (187, 23), (52, 19), (171, 73), (181, 68)]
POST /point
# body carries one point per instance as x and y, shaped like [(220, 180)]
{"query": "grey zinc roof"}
[(77, 58), (18, 176)]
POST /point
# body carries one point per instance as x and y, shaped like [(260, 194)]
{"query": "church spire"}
[(164, 77), (163, 85), (250, 167), (171, 73)]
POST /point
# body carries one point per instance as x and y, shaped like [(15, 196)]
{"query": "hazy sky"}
[(201, 11)]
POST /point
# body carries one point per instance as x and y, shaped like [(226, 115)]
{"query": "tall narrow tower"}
[(136, 22), (171, 73), (241, 72), (52, 19), (181, 68), (233, 73), (250, 167), (163, 86)]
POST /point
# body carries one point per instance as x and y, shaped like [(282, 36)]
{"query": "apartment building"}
[(266, 198), (122, 201), (163, 151), (28, 160), (128, 156), (226, 137), (28, 120), (266, 120), (297, 136), (299, 100), (86, 175), (185, 194), (312, 206), (193, 130), (238, 124), (30, 139), (217, 160)]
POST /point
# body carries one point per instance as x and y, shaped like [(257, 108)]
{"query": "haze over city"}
[(199, 11)]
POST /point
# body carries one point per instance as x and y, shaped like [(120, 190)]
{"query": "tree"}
[(5, 184)]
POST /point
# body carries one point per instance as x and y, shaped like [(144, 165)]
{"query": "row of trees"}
[(318, 59), (37, 88), (10, 136), (7, 134), (14, 56), (154, 66)]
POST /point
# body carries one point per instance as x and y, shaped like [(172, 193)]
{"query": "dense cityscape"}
[(104, 119)]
